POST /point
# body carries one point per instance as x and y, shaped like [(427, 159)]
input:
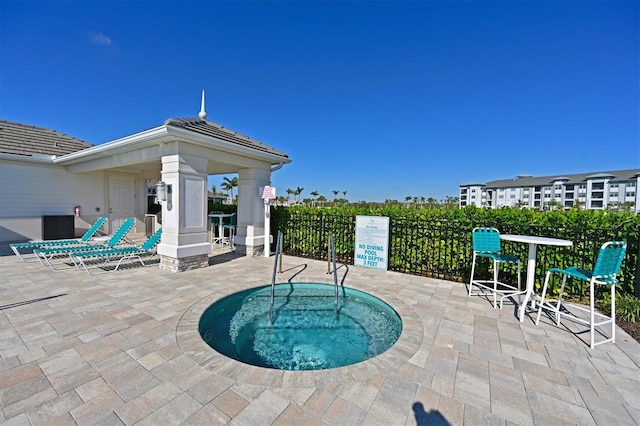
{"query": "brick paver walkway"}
[(123, 348)]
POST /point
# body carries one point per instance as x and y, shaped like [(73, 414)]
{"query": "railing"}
[(331, 258), (443, 248), (277, 257)]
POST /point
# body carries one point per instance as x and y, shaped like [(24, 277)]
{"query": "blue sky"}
[(383, 100)]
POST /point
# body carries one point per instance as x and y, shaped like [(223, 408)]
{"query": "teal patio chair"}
[(231, 227), (48, 253), (486, 244), (121, 253), (32, 245), (215, 237), (605, 272)]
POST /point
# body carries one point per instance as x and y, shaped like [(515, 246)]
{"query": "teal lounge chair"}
[(32, 245), (48, 253), (120, 253)]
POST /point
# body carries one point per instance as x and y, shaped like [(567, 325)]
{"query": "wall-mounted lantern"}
[(163, 191)]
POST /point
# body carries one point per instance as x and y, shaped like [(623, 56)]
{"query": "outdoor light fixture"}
[(162, 189)]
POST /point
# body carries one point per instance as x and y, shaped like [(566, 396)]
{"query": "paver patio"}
[(123, 348)]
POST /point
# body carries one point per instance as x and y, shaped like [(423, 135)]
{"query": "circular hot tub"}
[(305, 329)]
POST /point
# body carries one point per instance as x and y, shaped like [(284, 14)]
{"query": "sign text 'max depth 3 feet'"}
[(372, 241)]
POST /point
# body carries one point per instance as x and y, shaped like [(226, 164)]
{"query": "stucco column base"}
[(183, 264)]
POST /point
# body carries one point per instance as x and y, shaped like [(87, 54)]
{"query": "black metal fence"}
[(443, 249)]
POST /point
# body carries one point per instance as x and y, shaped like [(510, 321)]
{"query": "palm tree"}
[(335, 195), (451, 202), (322, 199), (408, 199), (229, 184), (298, 192), (315, 194), (290, 192)]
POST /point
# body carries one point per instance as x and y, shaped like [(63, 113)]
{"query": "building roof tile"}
[(27, 140), (208, 128), (24, 139)]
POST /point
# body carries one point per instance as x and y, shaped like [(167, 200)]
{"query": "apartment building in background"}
[(615, 189)]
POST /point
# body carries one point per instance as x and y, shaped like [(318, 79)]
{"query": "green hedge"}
[(437, 242)]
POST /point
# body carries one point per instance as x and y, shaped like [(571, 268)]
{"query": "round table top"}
[(532, 239)]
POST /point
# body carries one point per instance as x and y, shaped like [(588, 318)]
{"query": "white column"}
[(185, 243), (250, 233)]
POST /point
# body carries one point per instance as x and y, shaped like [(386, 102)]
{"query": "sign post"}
[(372, 242), (268, 194)]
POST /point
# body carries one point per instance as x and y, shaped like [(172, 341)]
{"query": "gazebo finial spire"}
[(203, 113)]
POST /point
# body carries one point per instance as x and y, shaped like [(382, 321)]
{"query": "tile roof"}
[(528, 180), (208, 128), (23, 139)]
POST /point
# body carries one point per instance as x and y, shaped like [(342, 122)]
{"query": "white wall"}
[(31, 190)]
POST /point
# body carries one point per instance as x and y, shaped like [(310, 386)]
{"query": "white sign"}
[(372, 241), (269, 193)]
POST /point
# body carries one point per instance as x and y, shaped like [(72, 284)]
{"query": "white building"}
[(47, 174), (596, 190)]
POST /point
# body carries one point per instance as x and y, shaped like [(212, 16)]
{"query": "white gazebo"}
[(181, 153)]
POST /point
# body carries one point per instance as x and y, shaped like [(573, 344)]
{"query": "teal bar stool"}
[(486, 244), (605, 272), (214, 224), (231, 227)]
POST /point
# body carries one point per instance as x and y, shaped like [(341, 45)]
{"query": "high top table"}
[(533, 242)]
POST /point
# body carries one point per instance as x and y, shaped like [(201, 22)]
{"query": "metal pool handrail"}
[(332, 252), (332, 258), (275, 267)]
